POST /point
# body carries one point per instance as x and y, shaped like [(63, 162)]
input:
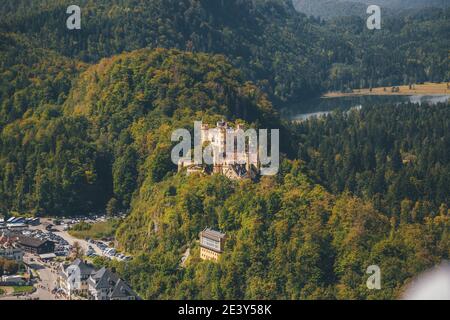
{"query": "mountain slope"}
[(108, 145), (329, 9), (118, 117), (270, 42), (31, 77), (286, 239)]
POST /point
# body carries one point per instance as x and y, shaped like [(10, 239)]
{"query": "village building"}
[(34, 245), (105, 284), (73, 278), (11, 253), (81, 279), (212, 244), (9, 250)]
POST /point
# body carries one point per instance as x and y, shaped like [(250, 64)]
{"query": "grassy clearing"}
[(97, 230), (418, 89), (23, 289)]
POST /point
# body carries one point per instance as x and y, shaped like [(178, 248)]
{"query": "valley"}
[(86, 119)]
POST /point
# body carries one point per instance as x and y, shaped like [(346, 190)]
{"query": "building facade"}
[(212, 244), (73, 278), (105, 284), (9, 250), (34, 245), (81, 279), (227, 159), (11, 253)]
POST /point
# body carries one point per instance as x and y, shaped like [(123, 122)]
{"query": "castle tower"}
[(204, 133)]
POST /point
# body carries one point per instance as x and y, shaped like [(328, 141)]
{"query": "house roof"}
[(29, 241), (47, 256), (212, 234), (107, 279), (85, 268), (104, 278), (122, 290)]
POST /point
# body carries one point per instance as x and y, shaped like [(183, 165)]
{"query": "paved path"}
[(71, 240), (47, 277), (45, 284)]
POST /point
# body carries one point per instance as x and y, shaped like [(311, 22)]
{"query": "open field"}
[(16, 290), (96, 230), (418, 89), (23, 289)]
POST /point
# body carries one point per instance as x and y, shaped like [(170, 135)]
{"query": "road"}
[(47, 275), (46, 283), (71, 240)]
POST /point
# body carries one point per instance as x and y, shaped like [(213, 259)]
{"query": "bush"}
[(8, 267), (82, 226)]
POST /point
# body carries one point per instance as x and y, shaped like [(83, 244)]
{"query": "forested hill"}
[(86, 119), (409, 48), (396, 155), (285, 53), (276, 47), (114, 129), (329, 9), (31, 77)]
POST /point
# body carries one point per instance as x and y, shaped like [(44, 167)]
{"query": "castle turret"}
[(204, 133)]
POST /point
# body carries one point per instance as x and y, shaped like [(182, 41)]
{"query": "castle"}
[(227, 160)]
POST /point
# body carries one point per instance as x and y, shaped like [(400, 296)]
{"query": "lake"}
[(322, 106)]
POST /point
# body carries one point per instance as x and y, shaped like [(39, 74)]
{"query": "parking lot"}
[(64, 241)]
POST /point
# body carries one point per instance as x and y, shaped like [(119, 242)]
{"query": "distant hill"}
[(86, 120), (286, 54), (277, 48), (338, 8)]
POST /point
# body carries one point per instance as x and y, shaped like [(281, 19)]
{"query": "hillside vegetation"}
[(286, 54), (329, 9), (114, 130), (398, 156), (86, 119), (287, 239)]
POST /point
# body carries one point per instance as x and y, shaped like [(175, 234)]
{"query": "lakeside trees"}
[(396, 155)]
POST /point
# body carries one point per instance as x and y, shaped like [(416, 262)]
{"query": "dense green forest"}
[(397, 155), (86, 118), (287, 239), (330, 9), (276, 47), (31, 78), (408, 49), (285, 53), (72, 159)]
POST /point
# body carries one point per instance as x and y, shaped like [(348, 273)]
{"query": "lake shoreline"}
[(426, 89), (323, 106)]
